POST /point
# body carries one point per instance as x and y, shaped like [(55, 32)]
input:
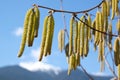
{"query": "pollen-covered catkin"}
[(44, 34), (89, 30), (51, 34), (37, 13), (61, 40), (118, 26), (82, 27), (71, 36), (78, 38), (116, 6), (101, 51), (113, 9), (33, 29), (118, 70), (30, 25), (24, 35), (108, 7), (104, 9), (86, 41), (75, 31), (96, 40), (116, 51)]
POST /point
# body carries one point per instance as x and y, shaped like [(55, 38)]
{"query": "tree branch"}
[(71, 12), (96, 29)]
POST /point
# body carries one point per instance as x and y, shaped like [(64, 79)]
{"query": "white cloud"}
[(35, 54), (18, 31), (35, 66), (99, 74)]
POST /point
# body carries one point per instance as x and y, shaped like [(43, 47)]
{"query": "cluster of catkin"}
[(47, 36), (80, 33), (31, 26), (30, 31)]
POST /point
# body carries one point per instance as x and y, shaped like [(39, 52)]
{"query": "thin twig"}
[(96, 29), (108, 65), (112, 61), (64, 21), (71, 12), (86, 72)]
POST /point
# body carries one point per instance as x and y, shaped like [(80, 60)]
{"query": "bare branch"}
[(71, 12)]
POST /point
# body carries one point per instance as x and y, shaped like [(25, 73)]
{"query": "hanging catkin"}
[(82, 36), (24, 35), (86, 41), (116, 51), (30, 25), (44, 34), (61, 40), (113, 9), (49, 36), (37, 13), (96, 40), (75, 32), (71, 36), (118, 26), (90, 24)]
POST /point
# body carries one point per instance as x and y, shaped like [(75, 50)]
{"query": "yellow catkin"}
[(100, 25), (24, 36), (69, 71), (73, 61), (108, 7), (104, 9), (77, 59), (118, 26), (118, 71), (71, 36), (116, 51), (78, 38), (86, 41), (61, 40), (75, 36), (30, 25), (97, 28), (89, 30), (101, 55), (116, 5), (33, 29), (82, 36), (70, 67), (113, 9), (44, 34), (37, 13), (51, 35)]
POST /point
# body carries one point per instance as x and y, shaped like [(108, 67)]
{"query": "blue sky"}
[(11, 22)]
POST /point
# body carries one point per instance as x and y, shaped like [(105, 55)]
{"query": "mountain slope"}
[(19, 73)]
